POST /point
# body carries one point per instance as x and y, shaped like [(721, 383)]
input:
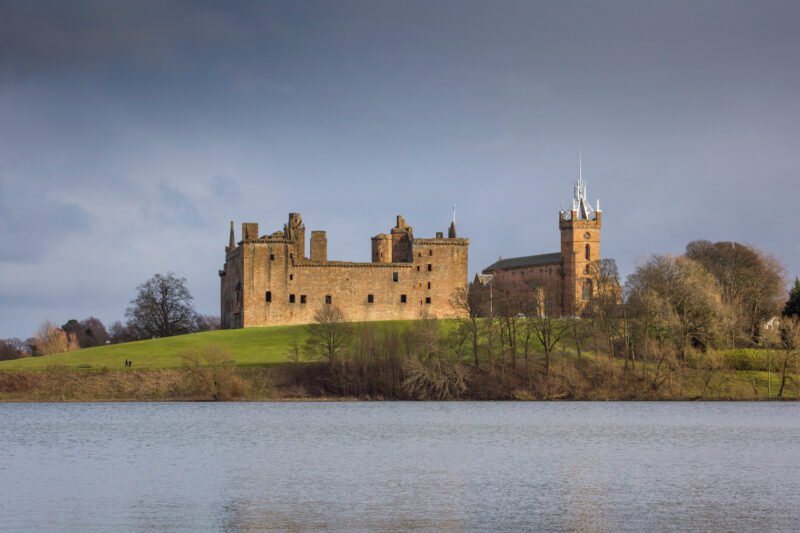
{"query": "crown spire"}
[(232, 240), (580, 204)]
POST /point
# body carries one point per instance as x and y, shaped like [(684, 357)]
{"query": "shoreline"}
[(318, 383)]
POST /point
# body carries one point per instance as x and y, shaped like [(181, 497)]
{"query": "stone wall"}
[(280, 286)]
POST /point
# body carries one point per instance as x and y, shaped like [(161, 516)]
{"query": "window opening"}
[(370, 299), (328, 299), (428, 300), (430, 267), (302, 298), (588, 252), (402, 298), (269, 296), (291, 298), (394, 276)]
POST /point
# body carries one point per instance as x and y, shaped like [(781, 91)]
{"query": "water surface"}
[(400, 466)]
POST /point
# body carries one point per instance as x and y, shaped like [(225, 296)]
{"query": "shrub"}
[(751, 359)]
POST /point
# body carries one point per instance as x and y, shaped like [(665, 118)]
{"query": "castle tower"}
[(580, 245)]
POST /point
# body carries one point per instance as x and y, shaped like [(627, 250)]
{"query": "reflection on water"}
[(400, 466)]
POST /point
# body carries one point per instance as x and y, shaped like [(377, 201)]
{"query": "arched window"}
[(587, 289), (588, 252)]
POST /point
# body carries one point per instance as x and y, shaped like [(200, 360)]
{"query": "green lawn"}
[(248, 347), (251, 346)]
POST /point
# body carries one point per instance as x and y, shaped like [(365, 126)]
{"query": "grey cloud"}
[(31, 221)]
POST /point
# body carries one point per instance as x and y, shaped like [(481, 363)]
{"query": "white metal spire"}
[(579, 203)]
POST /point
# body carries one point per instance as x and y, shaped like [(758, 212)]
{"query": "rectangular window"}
[(370, 298), (394, 276), (428, 300), (430, 267), (402, 298), (291, 298), (417, 268), (291, 277), (272, 257), (430, 252), (429, 285), (269, 296), (302, 298), (328, 299)]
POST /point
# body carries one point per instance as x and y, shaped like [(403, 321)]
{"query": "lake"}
[(369, 466)]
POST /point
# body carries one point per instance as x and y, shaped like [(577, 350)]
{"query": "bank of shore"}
[(317, 382)]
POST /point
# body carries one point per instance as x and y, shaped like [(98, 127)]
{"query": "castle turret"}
[(249, 231), (295, 231), (451, 232), (382, 248), (319, 246), (402, 235)]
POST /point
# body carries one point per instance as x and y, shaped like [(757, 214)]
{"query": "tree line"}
[(673, 317), (163, 307)]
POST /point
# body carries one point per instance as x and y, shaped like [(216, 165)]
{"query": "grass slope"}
[(248, 347), (251, 346)]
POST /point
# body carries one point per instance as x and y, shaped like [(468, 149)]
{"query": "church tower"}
[(580, 245)]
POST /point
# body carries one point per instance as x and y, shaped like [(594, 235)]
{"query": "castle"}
[(569, 270), (269, 280)]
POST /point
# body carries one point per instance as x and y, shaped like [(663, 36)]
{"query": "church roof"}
[(526, 261)]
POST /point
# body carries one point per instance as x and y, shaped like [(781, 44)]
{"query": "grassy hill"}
[(248, 347)]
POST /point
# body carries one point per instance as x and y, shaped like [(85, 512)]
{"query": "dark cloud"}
[(34, 221), (133, 132)]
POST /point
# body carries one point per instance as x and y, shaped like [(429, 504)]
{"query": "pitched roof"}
[(527, 261)]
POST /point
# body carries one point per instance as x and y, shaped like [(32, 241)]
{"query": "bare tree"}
[(119, 332), (50, 339), (681, 298), (513, 300), (790, 338), (545, 324), (12, 348), (88, 332), (162, 308), (207, 323), (470, 300), (751, 283), (328, 337), (603, 306)]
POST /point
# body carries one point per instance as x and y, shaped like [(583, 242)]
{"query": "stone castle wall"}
[(269, 281)]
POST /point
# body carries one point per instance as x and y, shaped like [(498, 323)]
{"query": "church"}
[(569, 268)]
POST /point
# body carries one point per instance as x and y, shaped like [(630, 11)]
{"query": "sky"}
[(132, 133)]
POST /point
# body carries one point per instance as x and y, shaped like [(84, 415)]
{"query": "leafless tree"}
[(603, 307), (50, 339), (119, 332), (207, 323), (751, 284), (681, 299), (88, 332), (545, 324), (12, 348), (513, 300), (162, 308), (328, 337), (470, 301)]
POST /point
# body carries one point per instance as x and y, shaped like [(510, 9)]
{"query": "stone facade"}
[(269, 280), (568, 269)]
